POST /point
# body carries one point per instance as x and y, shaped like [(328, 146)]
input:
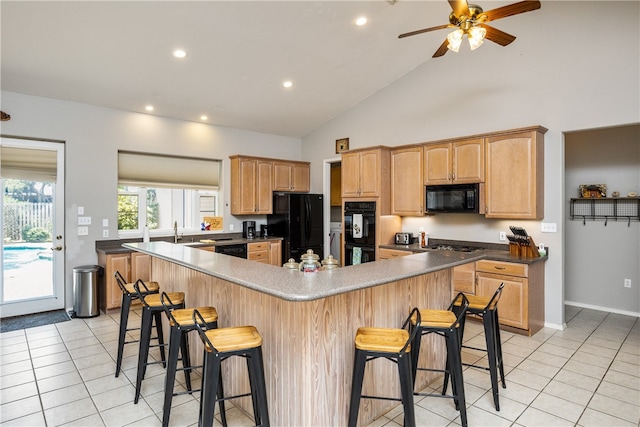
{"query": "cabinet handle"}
[(499, 268), (453, 177)]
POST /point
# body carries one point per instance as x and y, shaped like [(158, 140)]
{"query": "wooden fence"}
[(20, 217)]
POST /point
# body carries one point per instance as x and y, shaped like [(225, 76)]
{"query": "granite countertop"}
[(297, 286)]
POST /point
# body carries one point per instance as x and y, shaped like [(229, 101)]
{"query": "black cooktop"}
[(455, 248)]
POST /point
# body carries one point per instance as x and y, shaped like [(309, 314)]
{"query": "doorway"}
[(332, 210), (32, 251)]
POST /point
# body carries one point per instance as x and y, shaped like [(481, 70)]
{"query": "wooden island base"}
[(308, 345)]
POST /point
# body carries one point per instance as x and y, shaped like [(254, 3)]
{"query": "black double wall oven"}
[(360, 232)]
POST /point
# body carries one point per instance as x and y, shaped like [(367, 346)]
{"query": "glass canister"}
[(291, 265), (309, 262), (330, 262)]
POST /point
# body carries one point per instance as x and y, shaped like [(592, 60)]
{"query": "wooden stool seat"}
[(436, 318), (382, 339), (477, 302), (154, 300), (184, 316), (233, 338), (153, 287)]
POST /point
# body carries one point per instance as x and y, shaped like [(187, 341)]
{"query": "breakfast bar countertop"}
[(298, 286)]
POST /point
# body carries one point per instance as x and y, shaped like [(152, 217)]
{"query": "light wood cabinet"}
[(291, 176), (366, 174), (385, 253), (251, 185), (457, 162), (336, 185), (521, 304), (259, 252), (464, 279), (407, 187), (132, 266), (275, 257), (515, 175)]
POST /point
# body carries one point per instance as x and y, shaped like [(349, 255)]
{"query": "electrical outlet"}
[(83, 231), (230, 227), (503, 236), (105, 233), (627, 283)]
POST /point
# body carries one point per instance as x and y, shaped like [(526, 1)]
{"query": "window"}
[(148, 195)]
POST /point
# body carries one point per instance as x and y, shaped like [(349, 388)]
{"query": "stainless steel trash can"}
[(86, 285)]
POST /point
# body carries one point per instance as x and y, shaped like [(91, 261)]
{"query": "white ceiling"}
[(117, 54)]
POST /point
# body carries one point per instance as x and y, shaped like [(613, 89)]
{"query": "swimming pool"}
[(21, 254)]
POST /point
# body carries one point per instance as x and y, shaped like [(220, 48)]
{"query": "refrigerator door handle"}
[(307, 225)]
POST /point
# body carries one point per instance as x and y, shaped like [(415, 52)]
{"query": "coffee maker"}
[(264, 230), (248, 229)]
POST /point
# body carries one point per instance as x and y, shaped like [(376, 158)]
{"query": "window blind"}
[(28, 163), (155, 170)]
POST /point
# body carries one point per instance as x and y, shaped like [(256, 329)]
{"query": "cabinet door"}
[(437, 164), (140, 266), (514, 176), (263, 189), (336, 184), (513, 307), (350, 165), (301, 177), (464, 279), (115, 262), (276, 253), (370, 173), (407, 187), (243, 186), (468, 161), (282, 176)]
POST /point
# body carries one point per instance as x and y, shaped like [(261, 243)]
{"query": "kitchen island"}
[(308, 322)]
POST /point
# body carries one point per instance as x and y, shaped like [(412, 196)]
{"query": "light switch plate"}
[(84, 220), (549, 227), (80, 210), (105, 233), (105, 222), (83, 231)]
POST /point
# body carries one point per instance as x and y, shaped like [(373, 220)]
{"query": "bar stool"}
[(181, 323), (487, 309), (392, 344), (220, 344), (152, 310), (448, 324), (129, 295)]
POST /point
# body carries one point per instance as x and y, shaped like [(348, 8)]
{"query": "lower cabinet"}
[(259, 252), (464, 279), (132, 266), (521, 304)]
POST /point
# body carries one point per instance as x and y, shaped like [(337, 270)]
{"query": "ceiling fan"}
[(471, 20)]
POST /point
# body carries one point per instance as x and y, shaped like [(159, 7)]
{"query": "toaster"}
[(403, 238)]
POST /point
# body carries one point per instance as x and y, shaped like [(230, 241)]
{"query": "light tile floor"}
[(586, 375)]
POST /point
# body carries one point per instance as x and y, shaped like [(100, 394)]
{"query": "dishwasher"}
[(238, 250)]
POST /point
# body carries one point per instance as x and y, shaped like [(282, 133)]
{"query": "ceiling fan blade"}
[(460, 7), (497, 36), (442, 49), (424, 30), (512, 9)]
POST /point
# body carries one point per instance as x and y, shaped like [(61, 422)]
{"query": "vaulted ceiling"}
[(118, 54)]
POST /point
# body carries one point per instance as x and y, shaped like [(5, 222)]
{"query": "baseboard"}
[(555, 326), (599, 308)]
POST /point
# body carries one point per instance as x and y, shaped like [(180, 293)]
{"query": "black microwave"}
[(455, 198)]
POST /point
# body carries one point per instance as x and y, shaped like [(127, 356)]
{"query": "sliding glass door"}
[(32, 177)]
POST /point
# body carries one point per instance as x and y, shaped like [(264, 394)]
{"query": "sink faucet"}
[(175, 232)]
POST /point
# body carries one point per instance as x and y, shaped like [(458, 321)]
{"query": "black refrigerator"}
[(298, 219)]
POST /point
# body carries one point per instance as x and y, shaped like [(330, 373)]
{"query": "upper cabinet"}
[(407, 188), (515, 174), (457, 162), (365, 174), (251, 185), (291, 176)]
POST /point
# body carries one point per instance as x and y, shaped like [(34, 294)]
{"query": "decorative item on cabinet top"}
[(593, 191), (342, 144)]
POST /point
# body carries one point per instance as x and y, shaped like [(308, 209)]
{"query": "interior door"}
[(32, 261)]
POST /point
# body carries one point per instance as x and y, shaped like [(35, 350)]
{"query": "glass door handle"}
[(57, 248)]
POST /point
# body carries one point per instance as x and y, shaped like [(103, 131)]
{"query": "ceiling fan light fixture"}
[(455, 39), (476, 37)]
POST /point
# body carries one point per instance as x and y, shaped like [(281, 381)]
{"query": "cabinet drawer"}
[(258, 246), (393, 253), (258, 256), (500, 267)]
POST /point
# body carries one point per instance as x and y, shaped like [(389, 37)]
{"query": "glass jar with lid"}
[(309, 262), (330, 263)]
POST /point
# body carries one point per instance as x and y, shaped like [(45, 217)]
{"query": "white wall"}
[(92, 137), (598, 258), (568, 78)]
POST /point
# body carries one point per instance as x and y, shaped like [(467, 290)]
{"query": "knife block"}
[(529, 250)]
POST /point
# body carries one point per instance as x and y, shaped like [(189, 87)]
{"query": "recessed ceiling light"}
[(203, 117), (149, 108), (287, 83), (361, 21), (179, 53)]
